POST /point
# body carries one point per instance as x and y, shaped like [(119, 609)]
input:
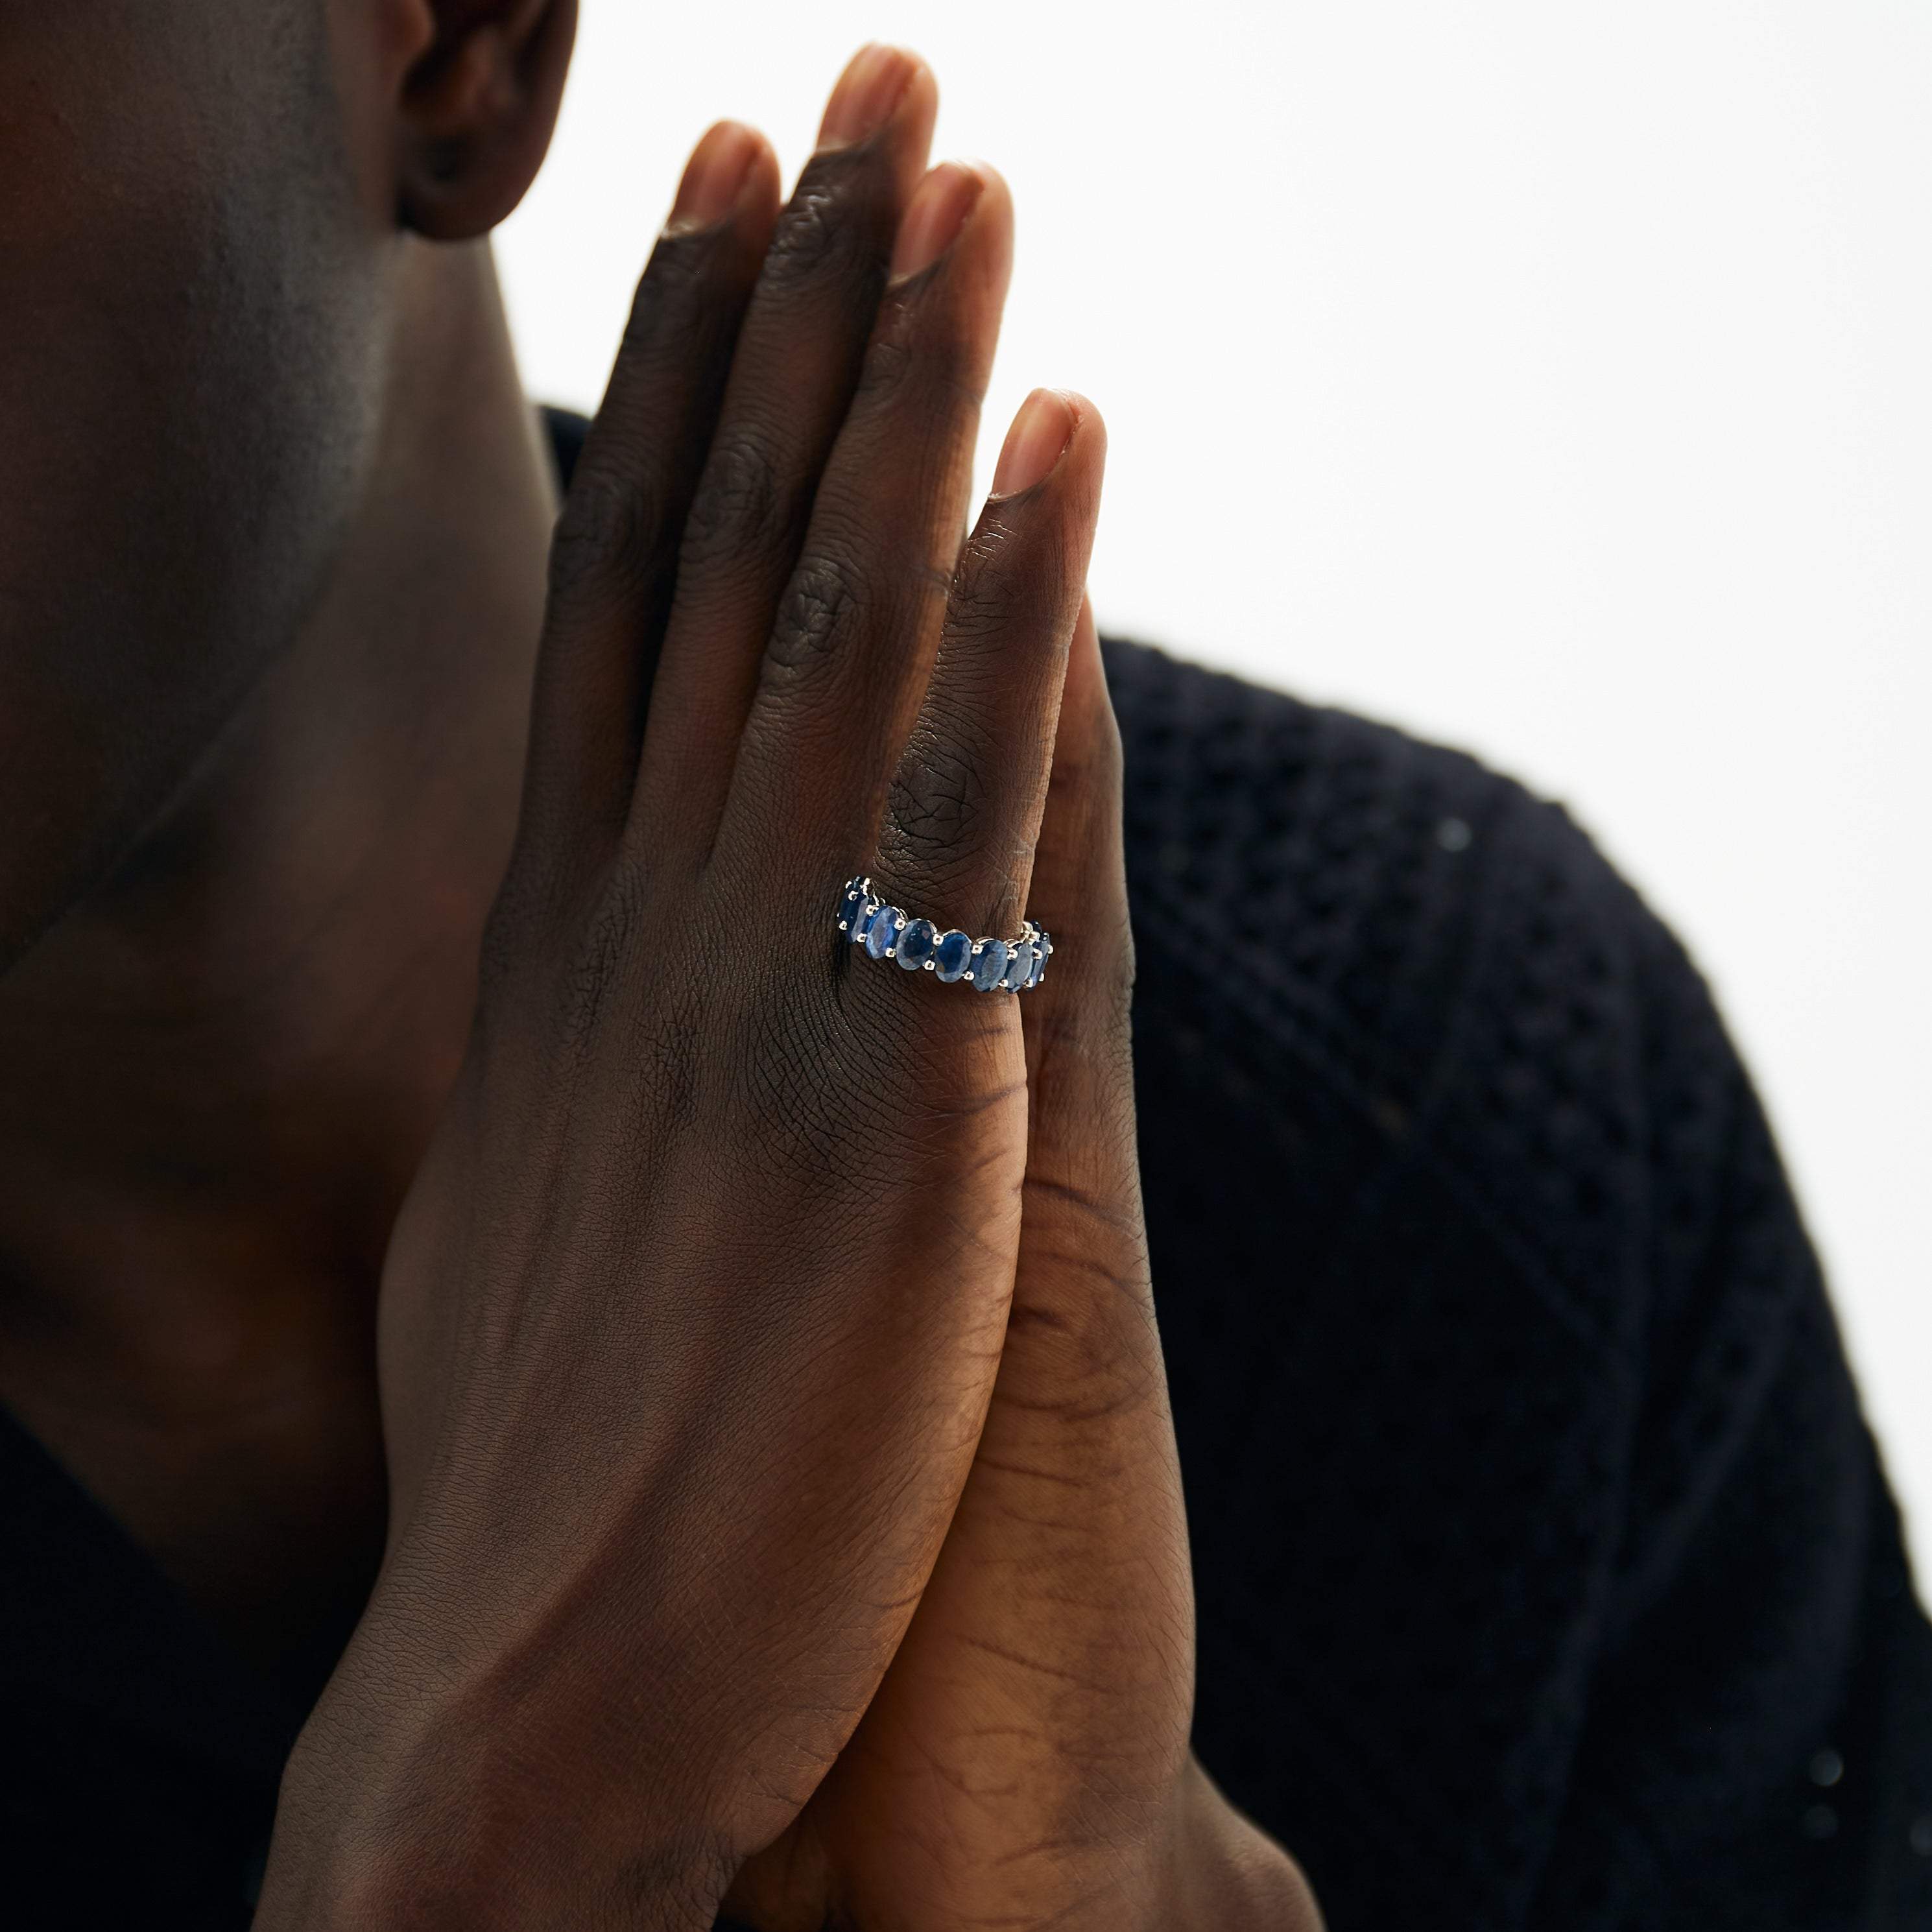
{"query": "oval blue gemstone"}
[(988, 964), (851, 906), (861, 919), (1021, 964), (915, 944), (951, 955), (883, 930)]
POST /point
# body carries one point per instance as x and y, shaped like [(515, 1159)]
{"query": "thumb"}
[(1079, 1060), (1075, 1495)]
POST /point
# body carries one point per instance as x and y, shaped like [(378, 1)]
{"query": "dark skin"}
[(550, 1312)]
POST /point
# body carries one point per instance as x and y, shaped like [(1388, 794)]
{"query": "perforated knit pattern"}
[(1540, 1549)]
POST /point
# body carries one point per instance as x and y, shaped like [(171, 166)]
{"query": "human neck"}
[(218, 1071)]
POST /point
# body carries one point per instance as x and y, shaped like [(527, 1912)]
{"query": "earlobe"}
[(476, 112)]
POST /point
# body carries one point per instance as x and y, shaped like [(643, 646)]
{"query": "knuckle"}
[(935, 368), (826, 599), (822, 235), (1011, 563), (890, 364), (743, 508), (682, 269), (979, 612), (1090, 1343), (1012, 587), (955, 367), (659, 318), (939, 798), (609, 539), (928, 364)]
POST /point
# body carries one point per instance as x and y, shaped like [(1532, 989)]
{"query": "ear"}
[(477, 104)]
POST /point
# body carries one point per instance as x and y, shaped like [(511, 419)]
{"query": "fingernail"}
[(1040, 432), (868, 91), (712, 177), (939, 210)]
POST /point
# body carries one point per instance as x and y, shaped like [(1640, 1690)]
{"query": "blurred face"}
[(193, 296)]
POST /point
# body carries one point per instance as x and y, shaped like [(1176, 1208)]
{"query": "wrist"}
[(1225, 1871), (400, 1809)]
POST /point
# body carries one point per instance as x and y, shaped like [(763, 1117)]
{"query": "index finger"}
[(614, 556)]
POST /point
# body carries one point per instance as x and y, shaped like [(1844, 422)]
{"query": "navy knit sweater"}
[(1547, 1575)]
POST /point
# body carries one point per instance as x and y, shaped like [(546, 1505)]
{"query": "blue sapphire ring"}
[(987, 965)]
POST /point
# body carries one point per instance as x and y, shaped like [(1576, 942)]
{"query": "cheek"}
[(191, 322)]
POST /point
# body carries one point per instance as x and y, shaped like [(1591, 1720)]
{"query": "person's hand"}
[(1025, 1763), (691, 1320)]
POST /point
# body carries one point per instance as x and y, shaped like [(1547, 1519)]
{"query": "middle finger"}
[(797, 363)]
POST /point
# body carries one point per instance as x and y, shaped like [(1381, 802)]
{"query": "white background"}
[(1555, 381)]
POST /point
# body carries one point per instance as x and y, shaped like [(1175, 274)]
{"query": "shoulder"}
[(1482, 1289), (1426, 950), (1334, 843)]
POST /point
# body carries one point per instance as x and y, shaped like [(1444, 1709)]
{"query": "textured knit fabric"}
[(1546, 1576)]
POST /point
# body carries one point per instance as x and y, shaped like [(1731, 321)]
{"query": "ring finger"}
[(799, 354)]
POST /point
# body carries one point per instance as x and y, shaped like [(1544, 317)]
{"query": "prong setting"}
[(987, 965)]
